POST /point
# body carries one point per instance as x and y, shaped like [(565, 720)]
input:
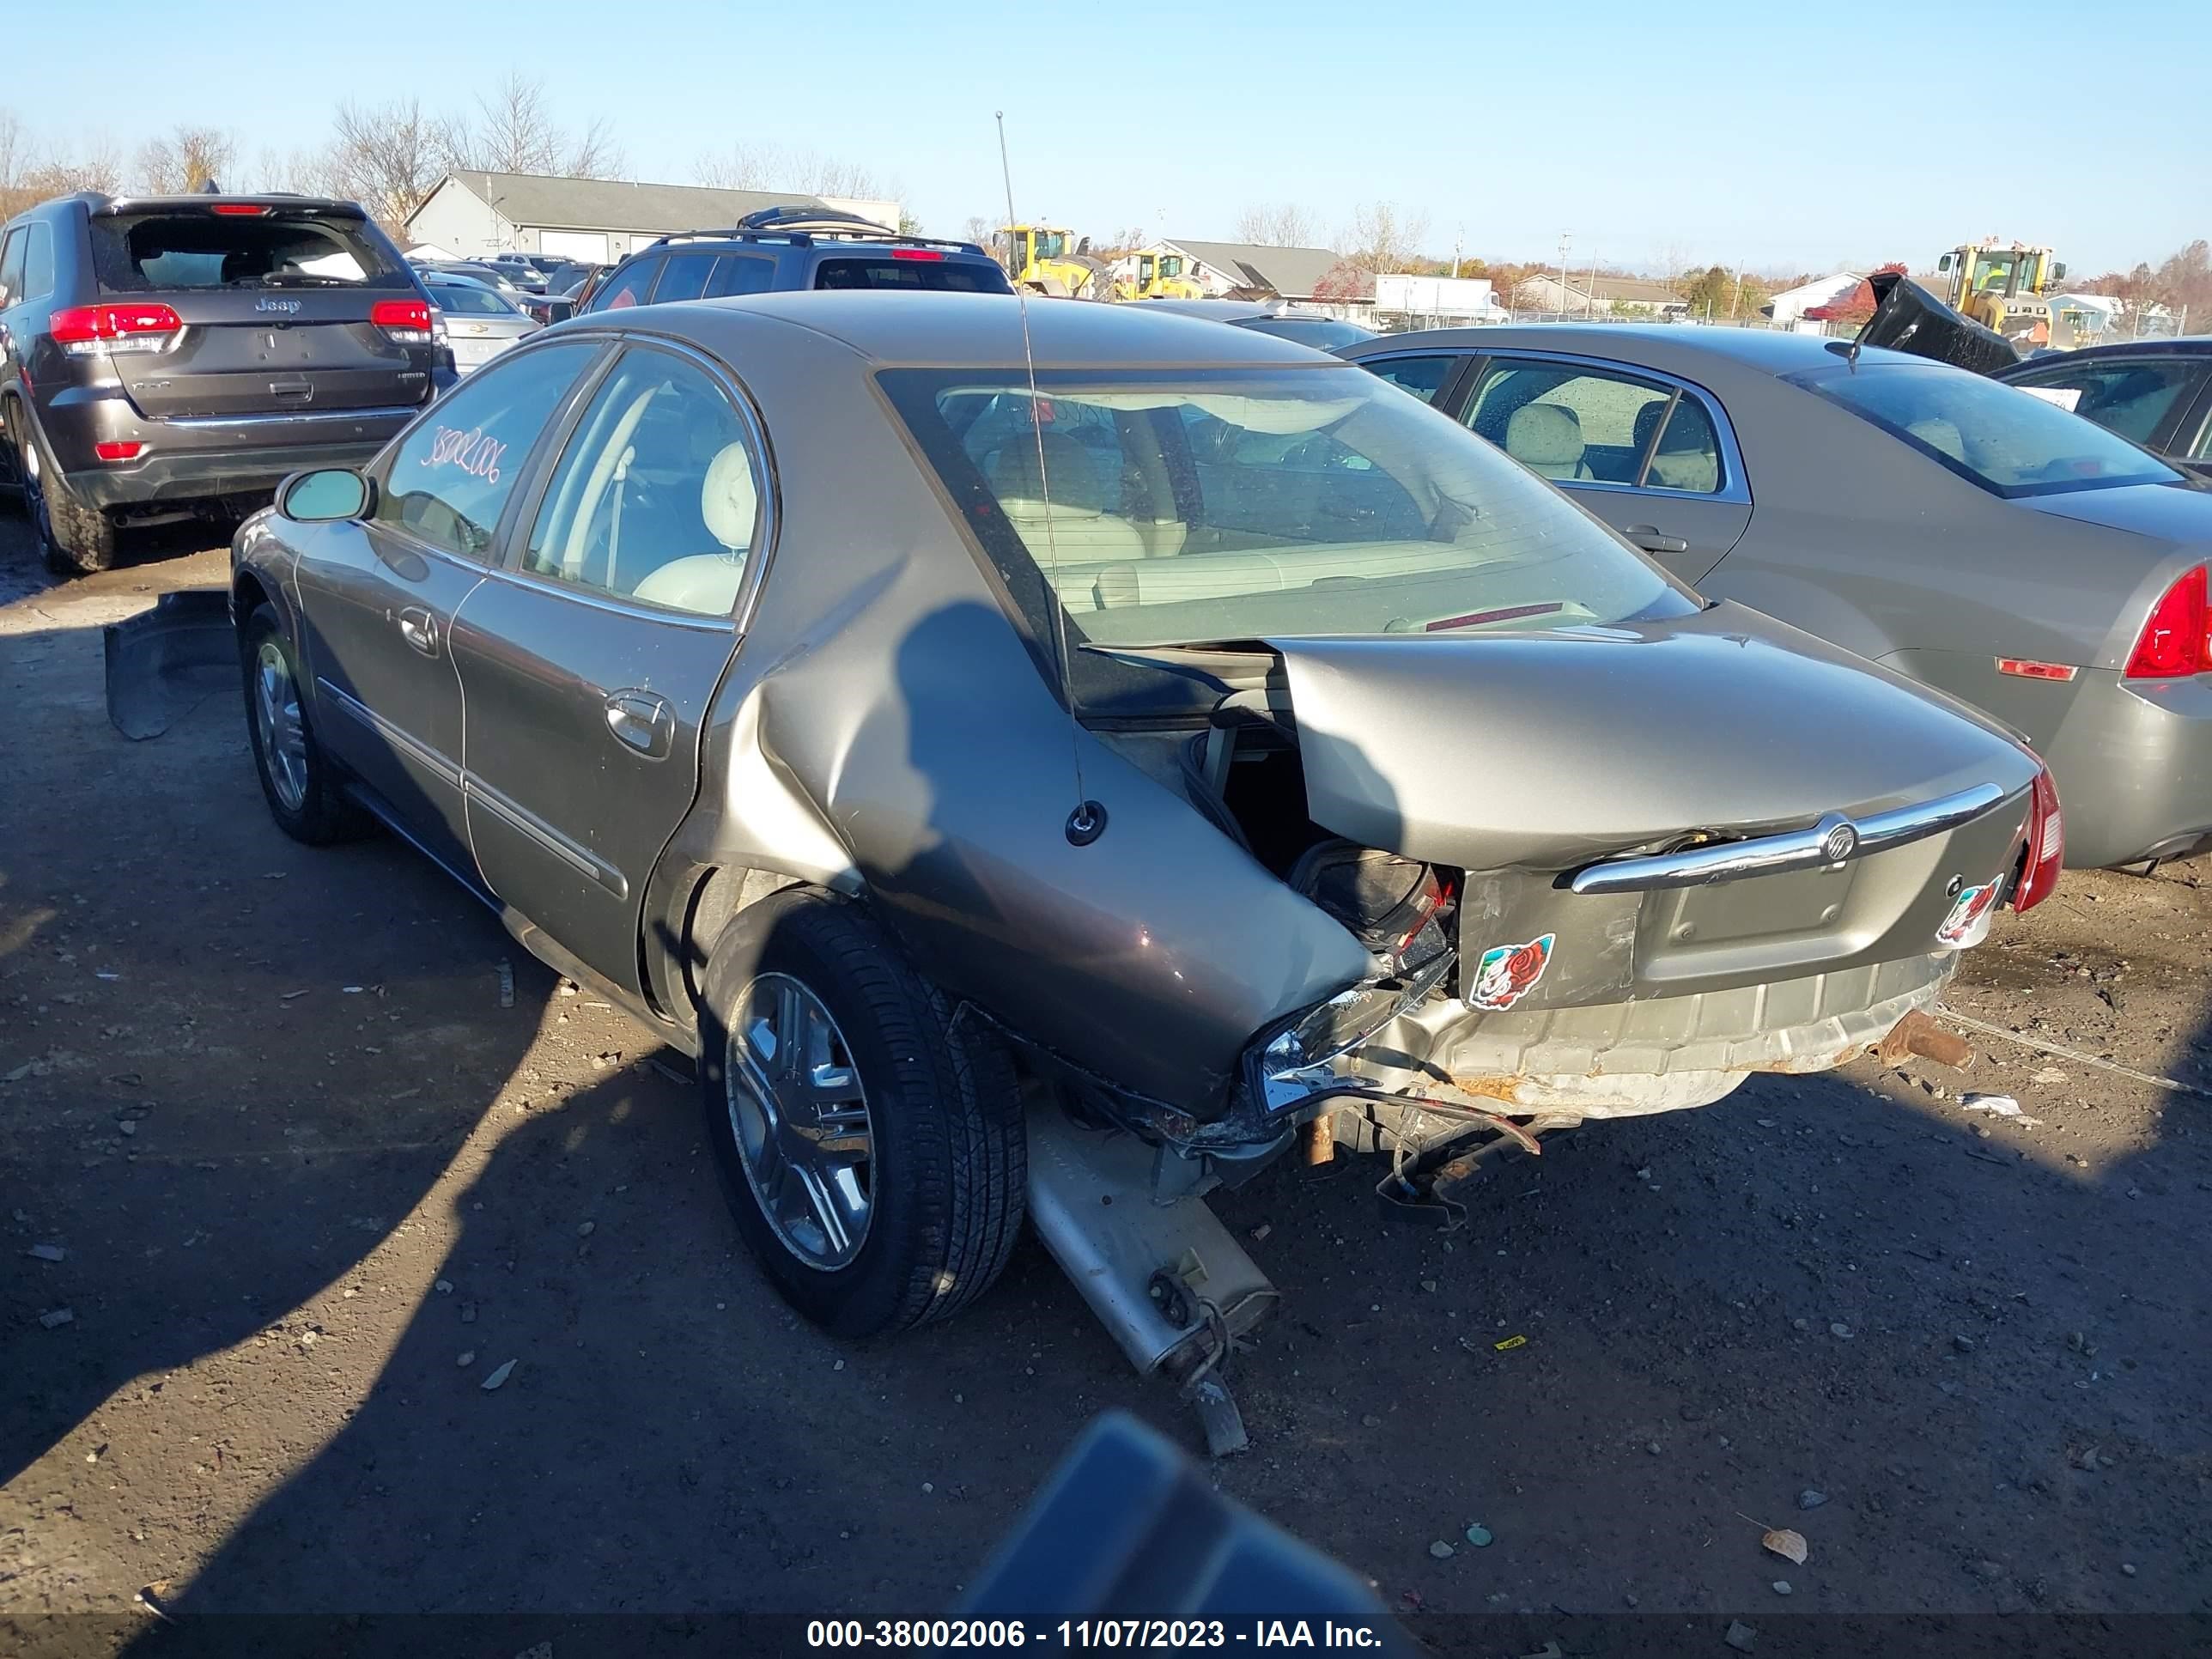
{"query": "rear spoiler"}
[(271, 202), (1908, 318)]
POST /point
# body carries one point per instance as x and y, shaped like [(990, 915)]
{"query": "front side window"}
[(2129, 396), (1567, 421), (657, 496), (449, 480), (1199, 506), (1991, 434), (628, 289)]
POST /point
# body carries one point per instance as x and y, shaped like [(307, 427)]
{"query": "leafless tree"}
[(803, 172), (978, 230), (514, 131), (385, 156), (1379, 238), (1277, 224), (185, 160)]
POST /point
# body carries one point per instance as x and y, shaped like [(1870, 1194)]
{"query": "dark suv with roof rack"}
[(165, 357), (780, 249)]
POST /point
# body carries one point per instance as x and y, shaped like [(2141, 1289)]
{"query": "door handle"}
[(420, 629), (1649, 538), (644, 721)]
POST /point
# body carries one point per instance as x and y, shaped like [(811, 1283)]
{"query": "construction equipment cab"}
[(2002, 287), (1039, 259), (1160, 276), (792, 247)]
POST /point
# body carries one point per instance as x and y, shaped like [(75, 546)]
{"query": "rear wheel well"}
[(715, 898)]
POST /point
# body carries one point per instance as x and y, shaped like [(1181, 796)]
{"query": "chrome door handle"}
[(644, 721), (420, 629), (1650, 539)]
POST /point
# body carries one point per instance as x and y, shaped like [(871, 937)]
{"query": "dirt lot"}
[(313, 1188)]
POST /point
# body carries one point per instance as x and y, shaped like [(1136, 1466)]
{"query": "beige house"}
[(1581, 295)]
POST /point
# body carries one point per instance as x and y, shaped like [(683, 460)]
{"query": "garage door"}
[(586, 247)]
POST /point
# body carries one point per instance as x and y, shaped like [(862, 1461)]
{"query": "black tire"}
[(948, 1158), (322, 814), (76, 539)]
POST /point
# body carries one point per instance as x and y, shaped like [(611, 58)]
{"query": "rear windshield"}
[(1322, 333), (1191, 507), (465, 297), (969, 275), (138, 254), (1990, 433)]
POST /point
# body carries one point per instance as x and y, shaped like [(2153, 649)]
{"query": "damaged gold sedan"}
[(1033, 766)]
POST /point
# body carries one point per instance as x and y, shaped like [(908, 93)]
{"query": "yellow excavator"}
[(1040, 258), (2003, 286), (1158, 277)]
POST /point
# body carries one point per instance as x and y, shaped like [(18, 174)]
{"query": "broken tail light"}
[(114, 329), (2047, 845)]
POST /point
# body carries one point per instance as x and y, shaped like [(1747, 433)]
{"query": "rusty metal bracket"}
[(1917, 1034)]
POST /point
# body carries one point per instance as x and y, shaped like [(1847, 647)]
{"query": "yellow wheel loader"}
[(2002, 286), (1040, 258), (1160, 276)]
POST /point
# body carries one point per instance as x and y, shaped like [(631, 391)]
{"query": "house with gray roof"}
[(598, 221), (1246, 271)]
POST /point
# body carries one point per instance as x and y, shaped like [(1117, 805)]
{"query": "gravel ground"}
[(286, 1190)]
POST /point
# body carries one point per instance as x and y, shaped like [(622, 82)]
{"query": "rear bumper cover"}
[(164, 475), (2133, 760)]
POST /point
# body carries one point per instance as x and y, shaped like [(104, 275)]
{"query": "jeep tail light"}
[(2047, 845), (119, 449), (407, 321), (113, 328), (2173, 641)]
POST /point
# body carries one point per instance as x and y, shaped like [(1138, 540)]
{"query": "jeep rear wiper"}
[(288, 279)]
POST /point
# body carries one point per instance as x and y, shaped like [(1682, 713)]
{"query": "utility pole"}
[(1565, 237), (1737, 302)]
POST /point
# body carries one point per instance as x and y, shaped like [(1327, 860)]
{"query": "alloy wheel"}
[(276, 722), (799, 1116)]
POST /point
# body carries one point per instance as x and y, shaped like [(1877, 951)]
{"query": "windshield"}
[(1170, 265), (1991, 434), (1323, 333), (143, 252), (1051, 243), (1181, 507)]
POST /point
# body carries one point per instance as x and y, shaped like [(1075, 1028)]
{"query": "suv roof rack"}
[(801, 226)]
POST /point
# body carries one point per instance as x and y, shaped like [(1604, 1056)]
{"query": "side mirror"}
[(1943, 263), (2058, 271), (323, 497)]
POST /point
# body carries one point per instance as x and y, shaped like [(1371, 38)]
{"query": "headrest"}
[(728, 500), (1068, 471), (1544, 435), (1940, 436)]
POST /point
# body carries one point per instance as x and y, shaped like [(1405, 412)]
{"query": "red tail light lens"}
[(916, 253), (2173, 641), (98, 330), (2047, 845), (241, 210), (407, 321), (118, 449)]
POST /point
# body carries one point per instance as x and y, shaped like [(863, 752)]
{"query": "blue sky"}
[(1794, 139)]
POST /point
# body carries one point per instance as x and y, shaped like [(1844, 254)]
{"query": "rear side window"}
[(140, 252), (738, 273), (1991, 434), (37, 261), (969, 275), (1565, 422), (684, 276)]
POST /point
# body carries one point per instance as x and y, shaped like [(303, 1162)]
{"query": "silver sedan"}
[(480, 322)]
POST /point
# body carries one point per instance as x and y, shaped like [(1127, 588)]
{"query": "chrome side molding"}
[(1834, 840)]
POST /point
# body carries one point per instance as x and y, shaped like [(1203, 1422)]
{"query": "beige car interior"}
[(1688, 457), (1547, 439)]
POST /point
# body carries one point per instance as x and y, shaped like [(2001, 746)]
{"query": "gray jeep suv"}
[(174, 357)]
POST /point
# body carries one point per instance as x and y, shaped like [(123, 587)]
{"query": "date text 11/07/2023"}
[(1005, 1635)]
